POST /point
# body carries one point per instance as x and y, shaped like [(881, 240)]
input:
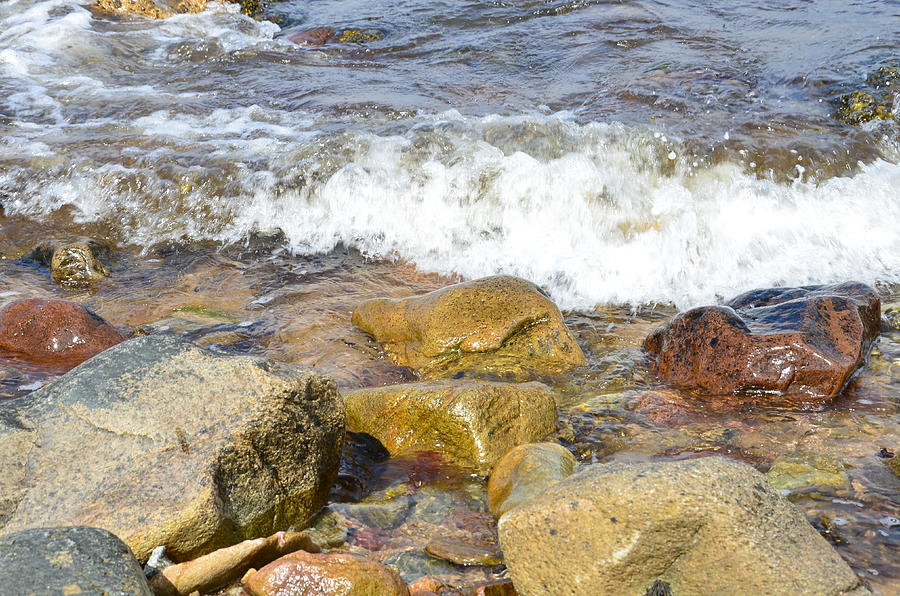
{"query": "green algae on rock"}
[(73, 264), (498, 325), (859, 107), (472, 423), (703, 526), (525, 472), (801, 471), (360, 36), (165, 443)]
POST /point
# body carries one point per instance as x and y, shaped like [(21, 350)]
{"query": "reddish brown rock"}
[(338, 574), (54, 332), (804, 342), (425, 584), (313, 37)]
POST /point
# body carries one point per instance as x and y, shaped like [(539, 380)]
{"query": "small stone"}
[(463, 553), (360, 36), (502, 587), (313, 37), (75, 265), (54, 332), (337, 574), (425, 584)]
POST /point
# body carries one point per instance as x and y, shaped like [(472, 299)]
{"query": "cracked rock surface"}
[(702, 526), (164, 443)]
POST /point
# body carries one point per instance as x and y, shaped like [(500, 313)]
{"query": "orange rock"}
[(789, 341), (54, 332), (425, 584), (338, 574)]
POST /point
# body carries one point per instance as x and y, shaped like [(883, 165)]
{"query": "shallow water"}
[(632, 158)]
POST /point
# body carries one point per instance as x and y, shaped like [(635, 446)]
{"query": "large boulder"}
[(697, 527), (69, 560), (337, 574), (526, 472), (497, 324), (804, 342), (164, 443), (472, 423), (54, 332)]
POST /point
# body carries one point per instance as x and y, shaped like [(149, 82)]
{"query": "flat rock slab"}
[(69, 560), (804, 342), (471, 423), (164, 443), (701, 527), (499, 325)]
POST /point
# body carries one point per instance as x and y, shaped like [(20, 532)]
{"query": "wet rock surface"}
[(337, 574), (154, 9), (165, 443), (74, 264), (703, 526), (804, 342), (472, 423), (460, 552), (526, 472), (69, 560), (53, 332), (500, 325)]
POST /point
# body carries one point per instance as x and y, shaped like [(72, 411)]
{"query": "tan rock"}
[(74, 264), (155, 9), (164, 443), (703, 526), (469, 422), (497, 324), (338, 574), (225, 565), (525, 472), (461, 552)]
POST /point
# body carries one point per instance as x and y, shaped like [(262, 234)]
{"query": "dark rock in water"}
[(463, 553), (165, 443), (69, 560), (338, 573), (73, 264), (803, 342), (360, 466), (702, 526), (54, 332), (313, 37)]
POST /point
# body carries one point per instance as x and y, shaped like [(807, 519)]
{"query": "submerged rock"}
[(894, 465), (165, 443), (801, 471), (69, 560), (526, 472), (859, 107), (462, 553), (792, 341), (313, 37), (471, 423), (497, 324), (702, 526), (337, 574), (54, 332)]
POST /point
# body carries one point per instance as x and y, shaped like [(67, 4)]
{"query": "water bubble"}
[(672, 155)]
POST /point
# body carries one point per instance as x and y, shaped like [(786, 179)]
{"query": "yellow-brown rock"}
[(471, 423), (526, 472), (158, 9), (338, 574), (497, 324)]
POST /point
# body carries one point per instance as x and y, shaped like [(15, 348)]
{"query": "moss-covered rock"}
[(471, 423), (499, 325), (858, 107), (360, 36), (74, 264)]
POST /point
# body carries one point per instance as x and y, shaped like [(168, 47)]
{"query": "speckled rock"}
[(164, 443), (155, 9), (526, 472), (337, 574), (497, 324), (702, 526), (471, 423), (68, 560), (804, 342), (54, 332)]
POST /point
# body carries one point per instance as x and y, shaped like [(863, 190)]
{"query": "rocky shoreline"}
[(214, 469)]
